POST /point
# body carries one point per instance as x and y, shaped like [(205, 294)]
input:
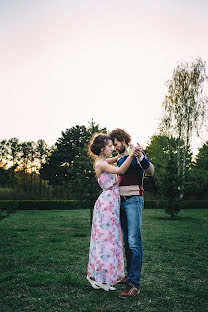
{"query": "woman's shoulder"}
[(99, 163)]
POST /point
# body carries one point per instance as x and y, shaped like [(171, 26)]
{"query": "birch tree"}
[(185, 108)]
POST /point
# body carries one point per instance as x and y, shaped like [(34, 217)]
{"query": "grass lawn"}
[(44, 256)]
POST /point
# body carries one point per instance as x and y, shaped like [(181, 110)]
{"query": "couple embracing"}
[(117, 213)]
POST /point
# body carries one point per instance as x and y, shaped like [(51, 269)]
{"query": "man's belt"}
[(127, 197)]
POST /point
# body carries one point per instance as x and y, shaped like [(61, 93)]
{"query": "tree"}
[(68, 167), (14, 155), (198, 175), (25, 157), (170, 183), (32, 158), (5, 177), (157, 151), (185, 109), (67, 148), (160, 150), (3, 153), (42, 151), (202, 158)]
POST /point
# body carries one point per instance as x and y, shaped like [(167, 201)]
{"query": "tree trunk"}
[(184, 158)]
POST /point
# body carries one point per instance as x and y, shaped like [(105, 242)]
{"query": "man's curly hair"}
[(120, 135)]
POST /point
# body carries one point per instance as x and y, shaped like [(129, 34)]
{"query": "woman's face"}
[(108, 150)]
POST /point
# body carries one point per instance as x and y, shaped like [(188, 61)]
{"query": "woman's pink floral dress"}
[(106, 252)]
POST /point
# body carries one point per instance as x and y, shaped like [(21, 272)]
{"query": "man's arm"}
[(150, 170), (146, 165)]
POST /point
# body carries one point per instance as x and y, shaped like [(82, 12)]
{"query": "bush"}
[(13, 205), (8, 207), (43, 204), (192, 204), (173, 207), (185, 204), (155, 204)]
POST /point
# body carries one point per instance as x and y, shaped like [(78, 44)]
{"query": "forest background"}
[(64, 171), (33, 170)]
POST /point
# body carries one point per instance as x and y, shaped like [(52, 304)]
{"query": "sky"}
[(66, 62)]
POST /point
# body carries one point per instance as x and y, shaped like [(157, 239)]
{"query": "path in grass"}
[(44, 256)]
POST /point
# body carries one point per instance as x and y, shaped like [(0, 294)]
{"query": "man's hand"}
[(138, 151)]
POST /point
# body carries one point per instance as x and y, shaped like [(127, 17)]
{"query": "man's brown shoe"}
[(123, 281), (129, 292)]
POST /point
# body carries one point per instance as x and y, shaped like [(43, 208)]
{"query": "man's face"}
[(120, 147)]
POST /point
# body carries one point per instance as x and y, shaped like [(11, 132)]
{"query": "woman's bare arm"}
[(102, 166), (112, 160)]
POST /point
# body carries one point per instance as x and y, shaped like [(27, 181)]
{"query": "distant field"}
[(44, 256)]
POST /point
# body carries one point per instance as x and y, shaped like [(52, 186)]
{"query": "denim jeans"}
[(131, 217)]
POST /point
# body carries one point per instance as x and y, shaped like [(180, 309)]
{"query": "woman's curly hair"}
[(120, 135), (98, 141)]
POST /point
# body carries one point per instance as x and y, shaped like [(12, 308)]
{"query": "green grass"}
[(44, 256)]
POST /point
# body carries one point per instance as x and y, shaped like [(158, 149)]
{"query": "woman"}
[(106, 265)]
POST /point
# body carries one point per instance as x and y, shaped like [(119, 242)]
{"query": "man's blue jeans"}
[(131, 217)]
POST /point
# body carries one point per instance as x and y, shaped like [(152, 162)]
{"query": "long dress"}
[(106, 263)]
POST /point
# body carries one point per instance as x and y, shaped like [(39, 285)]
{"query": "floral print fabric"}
[(106, 252)]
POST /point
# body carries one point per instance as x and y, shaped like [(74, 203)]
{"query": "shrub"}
[(185, 204), (192, 204), (7, 207), (43, 204), (13, 205)]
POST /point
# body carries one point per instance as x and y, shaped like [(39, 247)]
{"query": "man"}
[(131, 192)]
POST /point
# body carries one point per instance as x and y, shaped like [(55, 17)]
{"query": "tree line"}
[(20, 164), (65, 170)]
